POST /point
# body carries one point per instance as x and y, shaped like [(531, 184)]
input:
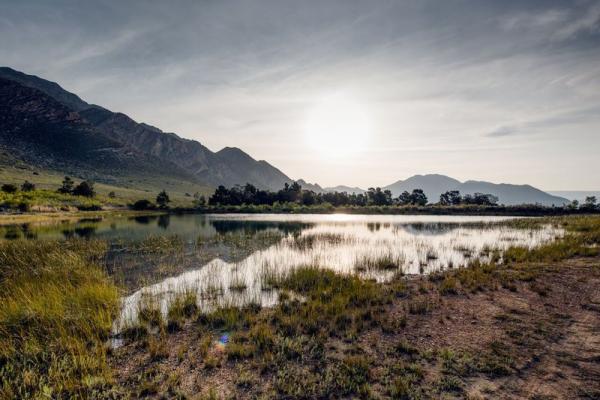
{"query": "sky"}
[(360, 93)]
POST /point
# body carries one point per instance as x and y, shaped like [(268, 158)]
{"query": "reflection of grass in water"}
[(242, 239), (270, 275), (385, 261), (237, 284), (306, 242)]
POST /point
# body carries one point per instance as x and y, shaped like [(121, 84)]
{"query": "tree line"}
[(293, 193)]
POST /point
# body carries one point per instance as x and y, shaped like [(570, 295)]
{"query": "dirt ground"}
[(534, 339)]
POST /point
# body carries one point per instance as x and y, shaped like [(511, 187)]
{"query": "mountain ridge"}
[(220, 168), (509, 194)]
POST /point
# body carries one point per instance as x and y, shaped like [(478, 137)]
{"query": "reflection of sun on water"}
[(338, 125)]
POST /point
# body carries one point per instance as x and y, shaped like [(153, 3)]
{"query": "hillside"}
[(228, 167)]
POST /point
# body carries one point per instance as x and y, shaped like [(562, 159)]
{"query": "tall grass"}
[(56, 311)]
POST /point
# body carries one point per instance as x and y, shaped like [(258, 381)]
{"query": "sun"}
[(338, 126)]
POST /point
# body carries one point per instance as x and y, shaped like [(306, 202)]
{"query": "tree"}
[(308, 198), (450, 198), (27, 187), (480, 199), (199, 200), (85, 188), (379, 197), (163, 199), (589, 203), (67, 186), (418, 197), (9, 188), (574, 205), (404, 198)]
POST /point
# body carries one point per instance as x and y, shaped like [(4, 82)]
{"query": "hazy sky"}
[(506, 91)]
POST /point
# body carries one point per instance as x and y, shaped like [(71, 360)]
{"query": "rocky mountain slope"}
[(228, 167)]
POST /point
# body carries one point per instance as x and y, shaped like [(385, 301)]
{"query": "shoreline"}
[(513, 211), (61, 216)]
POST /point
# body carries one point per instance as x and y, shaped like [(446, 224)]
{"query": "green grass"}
[(126, 189), (56, 311), (43, 200)]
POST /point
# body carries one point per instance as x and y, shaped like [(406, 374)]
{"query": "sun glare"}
[(338, 126)]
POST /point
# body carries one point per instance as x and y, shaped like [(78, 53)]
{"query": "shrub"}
[(27, 187), (142, 205), (85, 189), (9, 188)]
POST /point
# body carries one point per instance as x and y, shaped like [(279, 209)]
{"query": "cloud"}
[(503, 131)]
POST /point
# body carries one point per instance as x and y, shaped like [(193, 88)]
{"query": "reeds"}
[(56, 312)]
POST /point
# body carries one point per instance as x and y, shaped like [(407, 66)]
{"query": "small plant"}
[(449, 285)]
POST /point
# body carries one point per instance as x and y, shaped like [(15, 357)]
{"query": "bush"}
[(85, 189), (142, 205), (27, 187), (9, 188)]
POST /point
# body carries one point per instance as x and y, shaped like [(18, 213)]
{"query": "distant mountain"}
[(228, 167), (343, 188), (310, 186), (433, 185), (578, 195)]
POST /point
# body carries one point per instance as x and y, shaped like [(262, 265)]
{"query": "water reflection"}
[(233, 259)]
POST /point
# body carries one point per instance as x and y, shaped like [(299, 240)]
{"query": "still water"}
[(230, 259)]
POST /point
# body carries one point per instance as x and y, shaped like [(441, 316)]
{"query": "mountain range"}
[(433, 185), (53, 128), (45, 126)]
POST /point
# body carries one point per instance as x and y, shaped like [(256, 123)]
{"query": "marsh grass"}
[(183, 306), (56, 312), (158, 244), (386, 261)]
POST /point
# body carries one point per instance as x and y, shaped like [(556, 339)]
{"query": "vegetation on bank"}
[(292, 198), (56, 311), (69, 196)]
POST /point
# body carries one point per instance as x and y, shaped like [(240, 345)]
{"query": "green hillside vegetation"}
[(126, 191)]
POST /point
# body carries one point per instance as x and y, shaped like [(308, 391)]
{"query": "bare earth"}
[(536, 339)]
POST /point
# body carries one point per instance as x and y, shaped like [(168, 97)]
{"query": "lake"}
[(232, 259)]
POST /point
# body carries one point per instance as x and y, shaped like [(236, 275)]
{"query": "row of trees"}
[(249, 194), (453, 198), (590, 204)]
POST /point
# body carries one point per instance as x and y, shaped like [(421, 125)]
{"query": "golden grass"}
[(56, 312)]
